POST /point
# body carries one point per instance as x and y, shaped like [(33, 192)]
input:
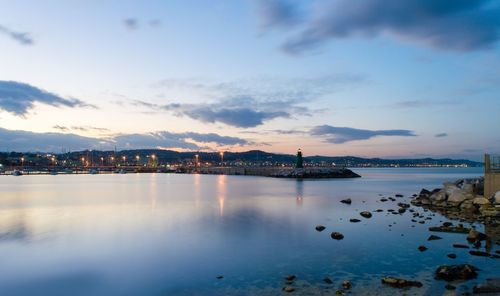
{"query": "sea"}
[(191, 234)]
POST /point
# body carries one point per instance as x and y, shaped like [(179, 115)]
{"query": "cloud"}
[(251, 102), (277, 13), (18, 98), (441, 135), (22, 38), (18, 140), (339, 135), (131, 24), (454, 25), (423, 104)]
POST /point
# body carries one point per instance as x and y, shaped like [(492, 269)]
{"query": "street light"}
[(22, 161), (83, 161), (221, 156), (102, 161)]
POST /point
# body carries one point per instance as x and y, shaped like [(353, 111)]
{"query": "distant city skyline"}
[(378, 78)]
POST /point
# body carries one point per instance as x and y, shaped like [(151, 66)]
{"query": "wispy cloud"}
[(456, 25), (251, 102), (278, 13), (85, 128), (423, 104), (131, 24), (18, 140), (339, 135), (23, 38), (441, 135), (18, 98)]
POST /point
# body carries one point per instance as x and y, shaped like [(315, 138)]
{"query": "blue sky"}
[(380, 78)]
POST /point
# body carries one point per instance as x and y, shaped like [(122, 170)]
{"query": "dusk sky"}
[(373, 78)]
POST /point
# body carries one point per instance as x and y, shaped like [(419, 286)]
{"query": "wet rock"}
[(403, 205), (400, 283), (398, 195), (450, 287), (288, 289), (475, 235), (291, 277), (424, 193), (383, 199), (379, 210), (460, 246), (337, 235), (422, 248), (401, 210), (447, 224), (434, 237), (328, 280), (452, 256), (346, 285), (354, 220), (489, 286), (219, 277), (366, 214), (479, 253), (346, 201), (456, 272), (320, 228), (450, 229), (438, 196)]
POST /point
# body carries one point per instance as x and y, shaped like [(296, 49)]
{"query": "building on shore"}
[(491, 174)]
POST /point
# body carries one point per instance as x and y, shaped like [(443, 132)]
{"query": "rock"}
[(328, 280), (452, 256), (379, 210), (490, 286), (337, 235), (479, 253), (496, 198), (366, 214), (480, 201), (475, 235), (291, 277), (449, 188), (398, 195), (460, 246), (449, 229), (447, 224), (403, 205), (288, 289), (400, 283), (354, 220), (346, 285), (468, 206), (424, 193), (450, 287), (457, 197), (346, 201), (434, 237), (383, 199), (422, 248), (320, 228), (438, 196), (456, 272), (401, 210), (219, 277)]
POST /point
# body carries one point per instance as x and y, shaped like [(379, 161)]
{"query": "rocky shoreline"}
[(462, 199)]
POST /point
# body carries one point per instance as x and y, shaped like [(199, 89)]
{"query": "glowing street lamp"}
[(221, 156), (22, 161), (124, 158), (196, 157), (102, 161), (83, 161)]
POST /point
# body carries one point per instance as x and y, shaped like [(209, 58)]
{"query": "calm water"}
[(168, 234)]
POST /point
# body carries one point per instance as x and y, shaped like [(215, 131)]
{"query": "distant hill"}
[(252, 156)]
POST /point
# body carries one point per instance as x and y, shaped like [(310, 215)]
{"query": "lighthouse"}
[(298, 164)]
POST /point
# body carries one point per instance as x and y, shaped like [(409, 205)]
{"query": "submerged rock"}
[(291, 277), (354, 220), (456, 272), (328, 280), (346, 285), (400, 283), (422, 248), (366, 214), (337, 235), (346, 201), (320, 228), (490, 286), (452, 256), (479, 253), (288, 289), (460, 246), (434, 237)]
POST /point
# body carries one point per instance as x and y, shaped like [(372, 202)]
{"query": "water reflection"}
[(221, 192), (299, 189)]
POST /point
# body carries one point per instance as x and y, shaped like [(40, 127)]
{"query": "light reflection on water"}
[(163, 234)]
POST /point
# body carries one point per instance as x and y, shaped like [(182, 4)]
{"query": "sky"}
[(370, 78)]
